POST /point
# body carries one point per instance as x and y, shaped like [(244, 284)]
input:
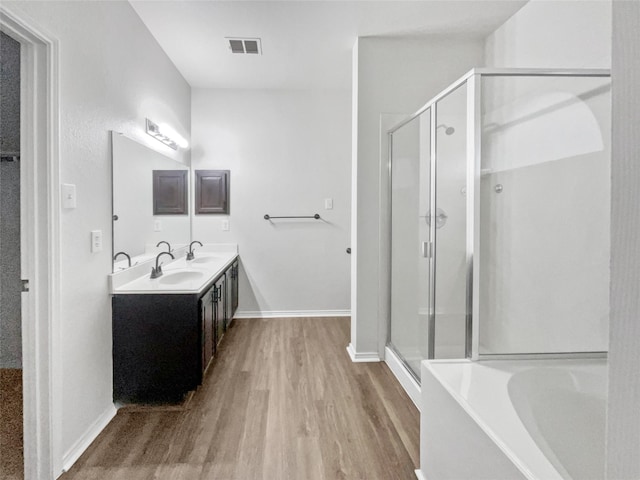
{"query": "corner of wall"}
[(623, 415), (553, 34), (354, 189), (82, 443)]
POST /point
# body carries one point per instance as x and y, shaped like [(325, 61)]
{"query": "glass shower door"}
[(410, 205), (450, 304)]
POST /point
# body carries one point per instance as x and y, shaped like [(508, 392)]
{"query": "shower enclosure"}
[(499, 218)]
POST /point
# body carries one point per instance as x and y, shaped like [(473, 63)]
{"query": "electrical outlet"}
[(328, 203), (96, 241), (157, 226), (225, 225)]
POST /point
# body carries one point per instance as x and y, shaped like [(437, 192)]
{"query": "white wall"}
[(112, 76), (395, 75), (623, 414), (554, 34), (287, 151)]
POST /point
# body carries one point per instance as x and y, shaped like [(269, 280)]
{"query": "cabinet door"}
[(234, 288), (157, 354), (170, 192), (228, 296), (212, 191), (207, 328), (219, 309)]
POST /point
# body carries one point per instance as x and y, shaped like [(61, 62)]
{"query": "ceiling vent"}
[(251, 46)]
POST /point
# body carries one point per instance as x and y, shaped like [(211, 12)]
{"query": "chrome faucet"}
[(190, 255), (157, 272), (115, 257), (168, 245)]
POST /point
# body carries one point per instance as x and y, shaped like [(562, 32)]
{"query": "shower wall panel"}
[(545, 189), (451, 207)]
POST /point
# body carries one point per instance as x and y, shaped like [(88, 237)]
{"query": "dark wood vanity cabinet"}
[(163, 343), (156, 354)]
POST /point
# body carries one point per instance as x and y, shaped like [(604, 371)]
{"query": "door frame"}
[(40, 244)]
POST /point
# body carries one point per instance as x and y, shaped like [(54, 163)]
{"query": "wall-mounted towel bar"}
[(316, 216)]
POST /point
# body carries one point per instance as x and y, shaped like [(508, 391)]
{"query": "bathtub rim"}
[(490, 357), (472, 412)]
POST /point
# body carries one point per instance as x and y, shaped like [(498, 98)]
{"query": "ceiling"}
[(306, 43)]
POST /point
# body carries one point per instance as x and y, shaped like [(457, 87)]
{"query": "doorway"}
[(11, 418), (37, 163)]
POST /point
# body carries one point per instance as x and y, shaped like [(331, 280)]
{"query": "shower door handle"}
[(427, 249)]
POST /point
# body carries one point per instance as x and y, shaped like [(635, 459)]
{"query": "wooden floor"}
[(11, 440), (283, 401)]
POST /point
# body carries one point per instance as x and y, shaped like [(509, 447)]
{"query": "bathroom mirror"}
[(136, 230)]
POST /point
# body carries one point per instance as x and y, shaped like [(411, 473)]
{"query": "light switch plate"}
[(68, 195), (328, 203), (96, 241)]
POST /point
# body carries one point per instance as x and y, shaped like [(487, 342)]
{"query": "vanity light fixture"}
[(166, 135)]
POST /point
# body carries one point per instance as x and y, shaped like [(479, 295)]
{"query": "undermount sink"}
[(180, 277)]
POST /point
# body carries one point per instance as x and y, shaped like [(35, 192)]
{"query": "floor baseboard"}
[(78, 448), (404, 377), (359, 357)]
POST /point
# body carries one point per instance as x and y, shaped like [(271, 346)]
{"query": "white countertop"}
[(179, 276)]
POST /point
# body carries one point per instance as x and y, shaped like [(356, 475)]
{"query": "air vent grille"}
[(237, 46), (252, 46)]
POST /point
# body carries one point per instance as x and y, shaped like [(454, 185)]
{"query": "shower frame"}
[(473, 81)]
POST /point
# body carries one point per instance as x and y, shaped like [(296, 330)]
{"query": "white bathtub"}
[(512, 419)]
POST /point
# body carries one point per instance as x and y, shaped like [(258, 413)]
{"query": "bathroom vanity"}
[(167, 330)]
